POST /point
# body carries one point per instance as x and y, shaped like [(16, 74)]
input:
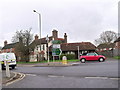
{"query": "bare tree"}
[(24, 38), (106, 37), (0, 47)]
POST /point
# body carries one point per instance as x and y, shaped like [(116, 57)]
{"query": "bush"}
[(69, 56)]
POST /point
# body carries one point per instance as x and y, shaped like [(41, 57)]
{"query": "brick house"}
[(8, 47), (106, 49), (67, 48), (41, 51), (117, 47), (72, 48)]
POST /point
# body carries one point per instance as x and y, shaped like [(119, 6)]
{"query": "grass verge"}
[(117, 57), (73, 60)]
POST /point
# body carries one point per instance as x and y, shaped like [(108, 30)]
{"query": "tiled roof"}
[(101, 46), (73, 46), (44, 41), (117, 40), (8, 46), (60, 39)]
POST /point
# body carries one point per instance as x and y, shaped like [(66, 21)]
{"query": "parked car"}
[(92, 56)]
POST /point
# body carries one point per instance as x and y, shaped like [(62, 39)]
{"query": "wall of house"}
[(35, 56), (116, 52)]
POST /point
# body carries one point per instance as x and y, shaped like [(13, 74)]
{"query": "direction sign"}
[(56, 42), (56, 51), (56, 45)]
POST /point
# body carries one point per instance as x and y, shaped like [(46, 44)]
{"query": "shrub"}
[(69, 56)]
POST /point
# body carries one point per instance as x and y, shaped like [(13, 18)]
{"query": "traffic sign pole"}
[(0, 76), (0, 67)]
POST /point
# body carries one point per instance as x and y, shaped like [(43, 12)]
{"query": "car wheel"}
[(82, 60), (13, 67), (101, 59)]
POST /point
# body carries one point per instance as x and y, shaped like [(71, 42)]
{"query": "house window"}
[(116, 44), (10, 49), (72, 53), (6, 50), (37, 48), (43, 47), (68, 52)]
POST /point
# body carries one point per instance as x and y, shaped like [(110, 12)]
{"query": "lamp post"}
[(39, 20), (47, 38), (78, 51)]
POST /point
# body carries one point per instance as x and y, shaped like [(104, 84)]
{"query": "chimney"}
[(36, 37), (55, 34), (65, 38), (5, 42)]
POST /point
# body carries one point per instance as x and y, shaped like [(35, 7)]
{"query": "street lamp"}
[(78, 51), (47, 38), (39, 21)]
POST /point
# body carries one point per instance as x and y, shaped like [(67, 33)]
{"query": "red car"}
[(92, 56)]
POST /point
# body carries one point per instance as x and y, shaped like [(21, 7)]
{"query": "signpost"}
[(0, 67), (56, 50), (7, 58), (0, 75)]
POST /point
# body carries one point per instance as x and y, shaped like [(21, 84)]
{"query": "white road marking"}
[(102, 78), (20, 78), (97, 77), (31, 74), (54, 76), (115, 78)]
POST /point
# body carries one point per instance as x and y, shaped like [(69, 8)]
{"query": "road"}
[(84, 75)]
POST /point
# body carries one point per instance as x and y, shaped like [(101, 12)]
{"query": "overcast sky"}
[(82, 20)]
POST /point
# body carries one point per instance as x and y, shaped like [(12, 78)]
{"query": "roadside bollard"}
[(64, 60), (7, 69)]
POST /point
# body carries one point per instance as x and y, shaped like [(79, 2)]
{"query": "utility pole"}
[(78, 52)]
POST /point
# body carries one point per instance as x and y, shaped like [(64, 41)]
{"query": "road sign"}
[(56, 51), (56, 42), (56, 45)]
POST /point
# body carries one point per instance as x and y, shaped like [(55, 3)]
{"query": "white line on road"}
[(54, 76), (31, 74), (97, 77), (22, 76), (102, 78), (115, 78)]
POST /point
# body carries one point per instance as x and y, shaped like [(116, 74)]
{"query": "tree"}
[(0, 47), (22, 48), (106, 37)]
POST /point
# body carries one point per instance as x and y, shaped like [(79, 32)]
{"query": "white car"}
[(10, 58)]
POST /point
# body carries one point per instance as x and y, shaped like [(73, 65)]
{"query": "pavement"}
[(14, 76)]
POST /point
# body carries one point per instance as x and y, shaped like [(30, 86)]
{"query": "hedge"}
[(69, 56)]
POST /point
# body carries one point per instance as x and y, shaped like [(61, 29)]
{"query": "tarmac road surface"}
[(84, 75)]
